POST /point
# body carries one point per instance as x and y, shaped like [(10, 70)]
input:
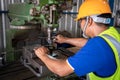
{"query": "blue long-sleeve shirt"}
[(96, 56)]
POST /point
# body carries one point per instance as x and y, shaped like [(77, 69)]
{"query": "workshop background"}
[(26, 23)]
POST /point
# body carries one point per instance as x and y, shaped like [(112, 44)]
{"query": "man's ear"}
[(90, 22)]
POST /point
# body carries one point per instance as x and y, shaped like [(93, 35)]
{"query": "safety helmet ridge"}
[(93, 7)]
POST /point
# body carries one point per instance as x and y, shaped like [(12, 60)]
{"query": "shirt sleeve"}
[(90, 58)]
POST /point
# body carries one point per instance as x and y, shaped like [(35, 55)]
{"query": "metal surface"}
[(66, 22), (116, 13), (3, 12), (3, 24), (117, 19), (1, 34)]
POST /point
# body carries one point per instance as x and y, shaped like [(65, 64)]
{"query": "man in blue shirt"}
[(95, 54)]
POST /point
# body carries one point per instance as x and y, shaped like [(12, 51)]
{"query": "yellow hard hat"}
[(93, 7)]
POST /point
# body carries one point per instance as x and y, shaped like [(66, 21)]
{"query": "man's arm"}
[(57, 66), (78, 42)]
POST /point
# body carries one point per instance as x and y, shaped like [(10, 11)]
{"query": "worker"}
[(99, 53)]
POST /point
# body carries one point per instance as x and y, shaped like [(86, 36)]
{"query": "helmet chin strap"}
[(84, 28)]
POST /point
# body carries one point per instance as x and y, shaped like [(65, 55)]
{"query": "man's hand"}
[(41, 51), (57, 66), (60, 39)]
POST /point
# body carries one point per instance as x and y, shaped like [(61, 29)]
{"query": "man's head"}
[(97, 11)]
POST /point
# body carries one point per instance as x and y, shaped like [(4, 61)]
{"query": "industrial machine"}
[(44, 13), (43, 16)]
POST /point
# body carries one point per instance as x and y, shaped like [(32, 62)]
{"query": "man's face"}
[(82, 23), (88, 27), (85, 26)]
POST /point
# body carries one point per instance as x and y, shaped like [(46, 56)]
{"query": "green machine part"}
[(30, 12), (12, 54), (19, 13)]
